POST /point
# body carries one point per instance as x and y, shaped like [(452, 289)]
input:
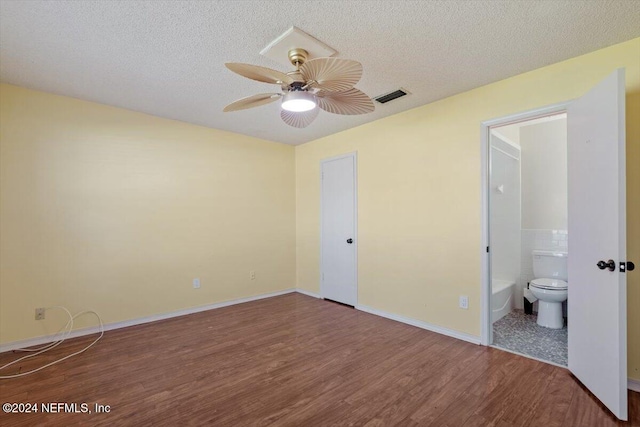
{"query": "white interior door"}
[(597, 303), (338, 279)]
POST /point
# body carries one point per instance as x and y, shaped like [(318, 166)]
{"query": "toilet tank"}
[(550, 264)]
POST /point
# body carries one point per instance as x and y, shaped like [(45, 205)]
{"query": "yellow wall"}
[(419, 193), (117, 211)]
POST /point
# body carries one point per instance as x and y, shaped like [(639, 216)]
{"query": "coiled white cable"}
[(67, 331)]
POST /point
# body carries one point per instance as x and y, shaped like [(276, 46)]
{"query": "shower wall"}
[(505, 211)]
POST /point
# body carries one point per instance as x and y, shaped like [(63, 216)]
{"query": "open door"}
[(597, 304)]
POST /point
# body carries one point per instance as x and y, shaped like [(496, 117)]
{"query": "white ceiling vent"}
[(383, 99)]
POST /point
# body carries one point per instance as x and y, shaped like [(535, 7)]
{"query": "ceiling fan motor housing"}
[(297, 86)]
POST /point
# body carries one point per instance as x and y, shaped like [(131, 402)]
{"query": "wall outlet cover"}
[(39, 313), (196, 283), (464, 302)]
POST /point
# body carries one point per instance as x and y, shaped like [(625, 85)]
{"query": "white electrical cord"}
[(67, 331)]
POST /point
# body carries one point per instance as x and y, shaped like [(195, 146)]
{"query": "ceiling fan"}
[(325, 83)]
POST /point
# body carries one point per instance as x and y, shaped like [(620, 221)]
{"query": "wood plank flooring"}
[(293, 360)]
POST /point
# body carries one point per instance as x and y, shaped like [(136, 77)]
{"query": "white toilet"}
[(550, 286)]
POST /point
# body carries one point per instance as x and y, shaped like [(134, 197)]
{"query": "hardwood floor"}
[(293, 360)]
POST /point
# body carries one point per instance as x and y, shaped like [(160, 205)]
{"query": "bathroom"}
[(528, 237)]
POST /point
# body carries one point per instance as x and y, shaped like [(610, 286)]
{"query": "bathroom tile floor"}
[(519, 332)]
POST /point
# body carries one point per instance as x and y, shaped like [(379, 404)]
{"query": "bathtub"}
[(502, 300)]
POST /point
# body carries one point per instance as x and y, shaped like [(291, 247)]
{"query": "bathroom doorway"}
[(596, 263), (527, 198)]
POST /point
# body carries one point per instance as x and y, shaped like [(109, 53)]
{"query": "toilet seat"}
[(549, 284)]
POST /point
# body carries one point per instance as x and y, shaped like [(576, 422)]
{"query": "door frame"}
[(486, 337), (353, 155)]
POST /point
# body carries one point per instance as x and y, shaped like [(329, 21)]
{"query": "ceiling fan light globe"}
[(298, 102)]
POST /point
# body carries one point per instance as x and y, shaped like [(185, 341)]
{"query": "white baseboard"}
[(308, 293), (420, 324), (633, 385), (139, 321)]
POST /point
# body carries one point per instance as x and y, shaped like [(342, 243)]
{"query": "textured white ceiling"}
[(167, 58)]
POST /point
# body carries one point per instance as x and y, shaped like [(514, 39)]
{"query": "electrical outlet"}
[(39, 313), (464, 302), (252, 275), (196, 283)]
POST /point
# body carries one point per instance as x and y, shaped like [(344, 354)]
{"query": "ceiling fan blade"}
[(332, 74), (350, 102), (252, 101), (261, 74), (299, 120)]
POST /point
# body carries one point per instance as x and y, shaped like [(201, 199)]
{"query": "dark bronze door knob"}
[(610, 265)]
